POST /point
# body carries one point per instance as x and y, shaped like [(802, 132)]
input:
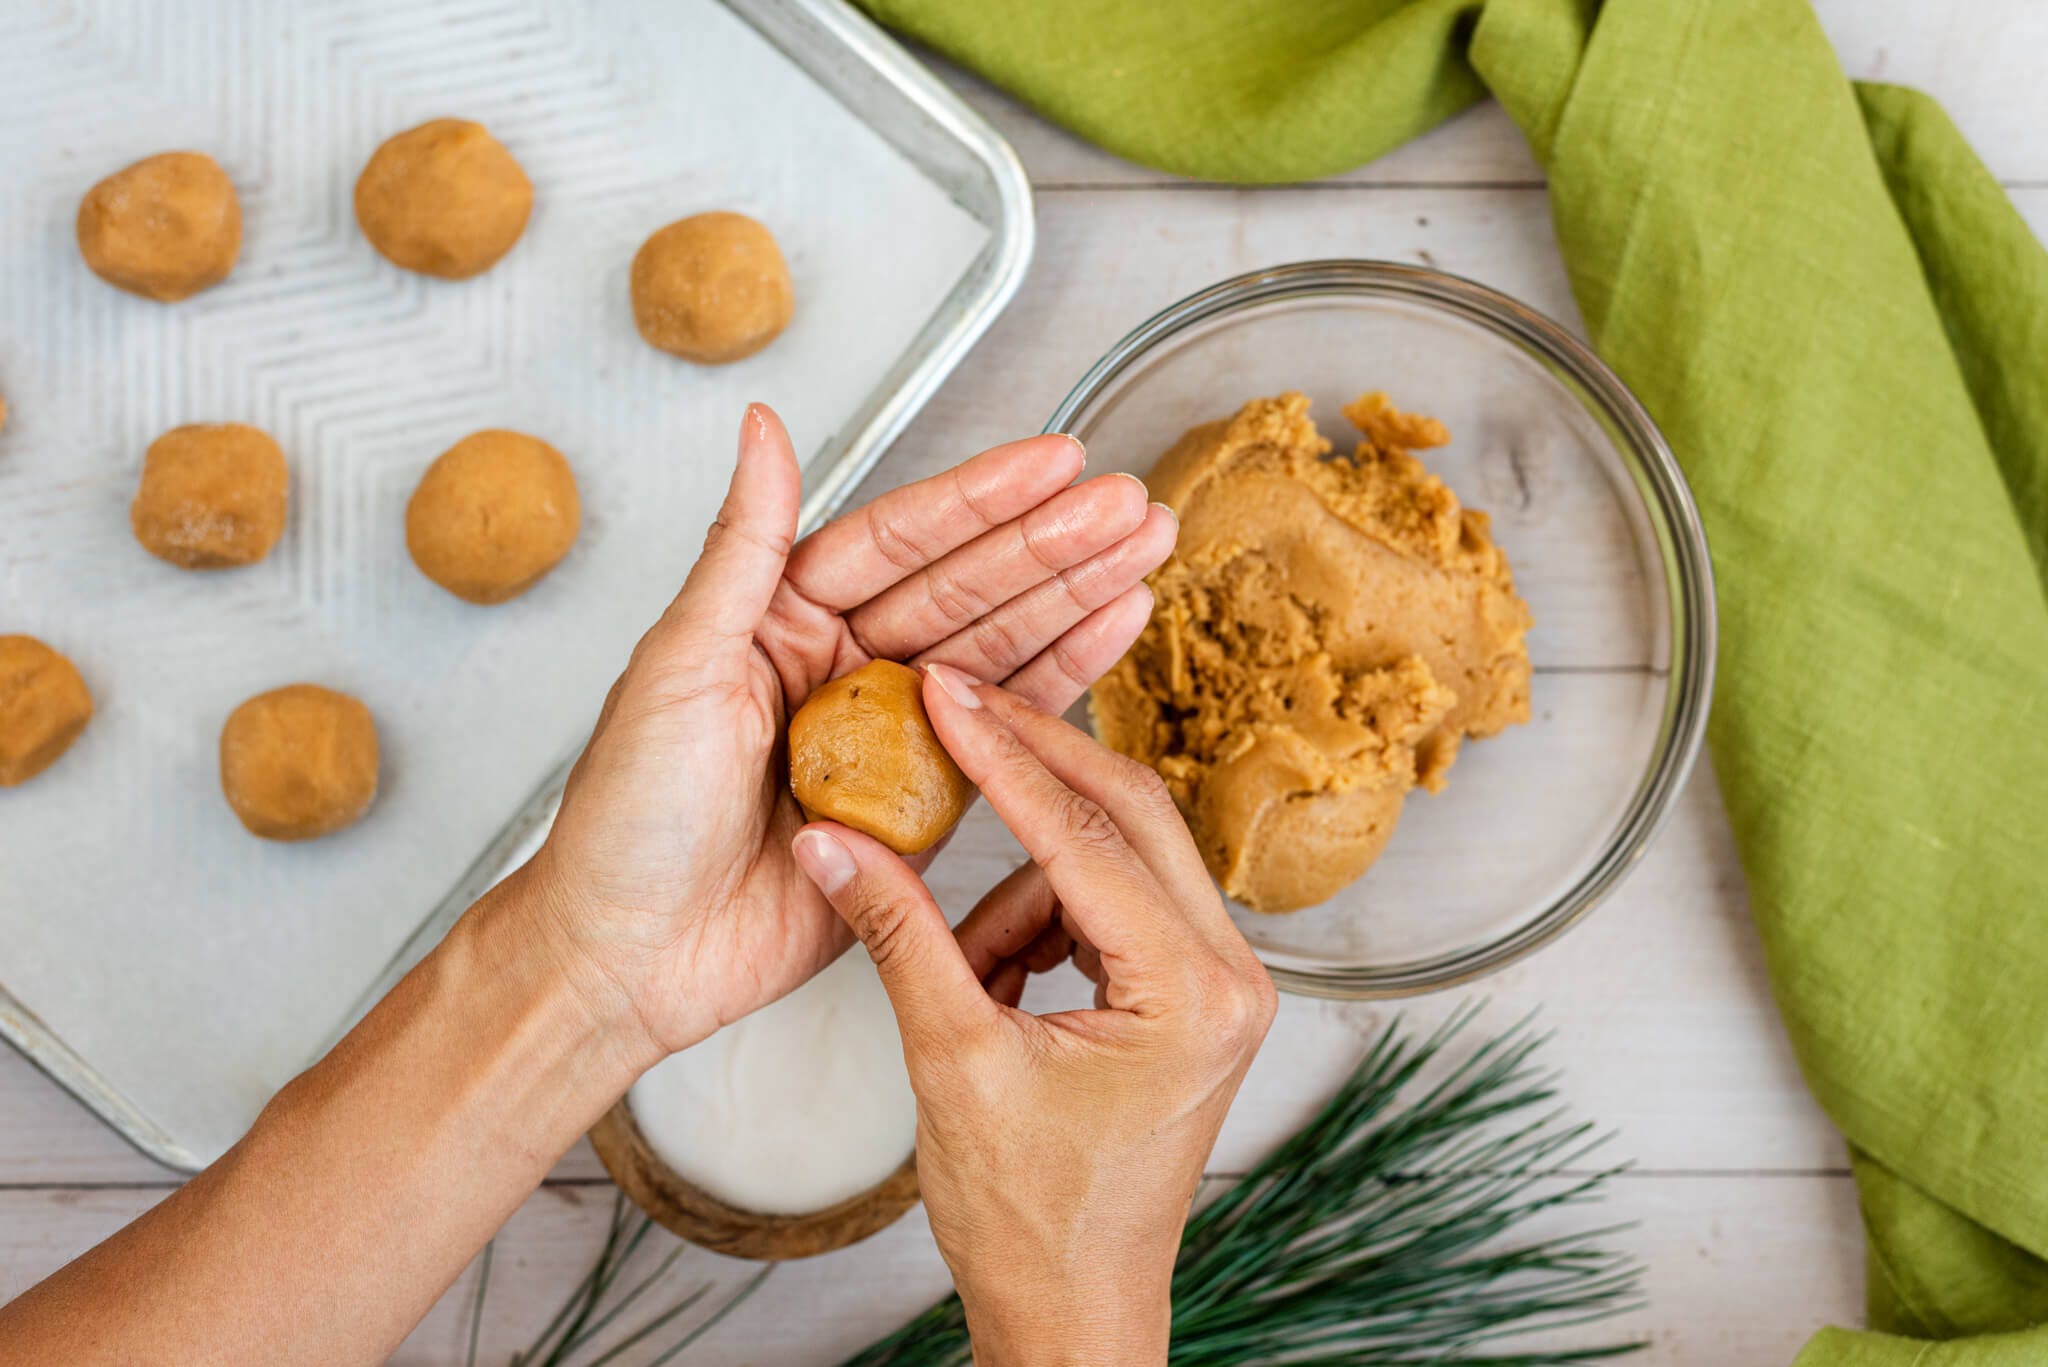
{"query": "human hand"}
[(1058, 1154), (667, 880)]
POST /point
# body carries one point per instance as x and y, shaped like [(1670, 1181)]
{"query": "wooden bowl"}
[(693, 1214)]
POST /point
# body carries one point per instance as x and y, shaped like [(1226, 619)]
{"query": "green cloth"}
[(1842, 326)]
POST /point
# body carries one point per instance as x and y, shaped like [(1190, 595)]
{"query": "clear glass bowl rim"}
[(1667, 503)]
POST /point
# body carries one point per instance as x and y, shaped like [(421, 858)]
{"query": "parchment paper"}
[(197, 967)]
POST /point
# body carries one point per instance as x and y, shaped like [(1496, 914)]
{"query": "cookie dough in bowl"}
[(1537, 824), (1327, 633)]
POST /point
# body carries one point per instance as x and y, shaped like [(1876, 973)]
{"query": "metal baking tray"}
[(61, 848)]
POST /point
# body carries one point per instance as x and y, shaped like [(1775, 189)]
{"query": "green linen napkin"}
[(1842, 325)]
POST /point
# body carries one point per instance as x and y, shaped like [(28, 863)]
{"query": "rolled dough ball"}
[(299, 762), (43, 706), (711, 288), (212, 496), (165, 228), (862, 752), (443, 199), (492, 515)]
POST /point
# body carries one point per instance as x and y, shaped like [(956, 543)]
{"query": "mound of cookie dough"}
[(212, 496), (299, 762), (862, 752), (494, 513), (711, 288), (1326, 634), (44, 705), (443, 199), (165, 228)]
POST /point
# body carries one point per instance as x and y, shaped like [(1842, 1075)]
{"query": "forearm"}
[(368, 1183)]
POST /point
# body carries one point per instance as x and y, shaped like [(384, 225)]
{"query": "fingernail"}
[(824, 860), (1077, 445), (754, 422), (1168, 511), (957, 685)]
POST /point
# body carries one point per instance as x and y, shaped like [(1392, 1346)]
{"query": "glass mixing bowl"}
[(1540, 823)]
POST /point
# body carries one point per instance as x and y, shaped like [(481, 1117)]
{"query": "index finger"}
[(1132, 793), (854, 557), (1104, 887)]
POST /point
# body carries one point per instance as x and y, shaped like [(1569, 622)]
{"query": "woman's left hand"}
[(667, 882)]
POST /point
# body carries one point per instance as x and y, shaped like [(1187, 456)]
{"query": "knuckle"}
[(977, 1051), (893, 545), (1079, 582), (724, 528), (881, 922), (995, 640), (1265, 1002), (1142, 784), (1234, 1009), (956, 602), (1037, 542), (1085, 824), (1069, 662)]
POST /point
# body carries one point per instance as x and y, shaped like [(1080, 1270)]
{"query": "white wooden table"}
[(1663, 1021)]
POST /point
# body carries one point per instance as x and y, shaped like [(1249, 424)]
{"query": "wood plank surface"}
[(1737, 1272)]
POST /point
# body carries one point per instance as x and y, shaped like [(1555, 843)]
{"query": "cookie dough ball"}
[(862, 752), (212, 496), (711, 288), (493, 514), (443, 199), (165, 228), (43, 706), (299, 762)]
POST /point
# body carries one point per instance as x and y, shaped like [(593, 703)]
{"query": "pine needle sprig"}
[(1382, 1231), (591, 1307)]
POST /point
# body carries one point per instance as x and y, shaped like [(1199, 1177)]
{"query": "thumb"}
[(729, 587), (934, 992)]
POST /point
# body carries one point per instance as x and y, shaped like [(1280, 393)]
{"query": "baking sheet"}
[(148, 946)]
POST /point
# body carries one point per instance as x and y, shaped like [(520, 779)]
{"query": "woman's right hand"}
[(1058, 1154)]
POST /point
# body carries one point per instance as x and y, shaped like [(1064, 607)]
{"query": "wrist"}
[(525, 928), (1070, 1330)]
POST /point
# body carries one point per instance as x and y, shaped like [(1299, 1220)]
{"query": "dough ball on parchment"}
[(711, 288), (44, 706), (299, 762), (862, 752), (165, 228), (443, 199), (212, 496), (494, 513)]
